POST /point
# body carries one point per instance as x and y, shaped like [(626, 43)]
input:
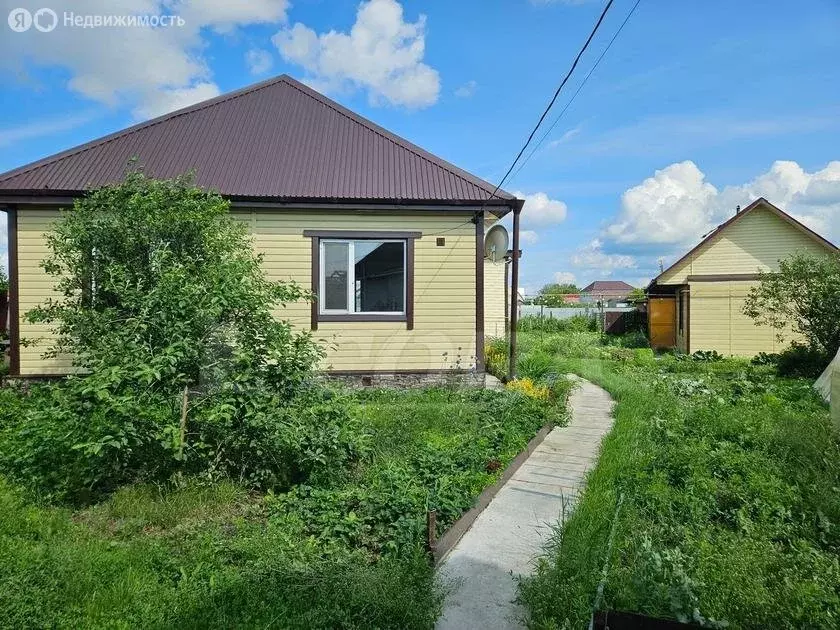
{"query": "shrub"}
[(534, 365), (165, 307), (76, 440), (708, 356), (801, 360), (803, 297)]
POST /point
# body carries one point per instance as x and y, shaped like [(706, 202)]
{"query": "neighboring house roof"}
[(278, 140), (608, 286), (761, 202)]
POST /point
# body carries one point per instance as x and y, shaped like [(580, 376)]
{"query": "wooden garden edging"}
[(441, 546)]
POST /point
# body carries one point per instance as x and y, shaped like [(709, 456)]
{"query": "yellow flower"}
[(527, 387)]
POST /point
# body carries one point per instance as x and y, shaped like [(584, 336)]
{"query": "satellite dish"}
[(496, 243)]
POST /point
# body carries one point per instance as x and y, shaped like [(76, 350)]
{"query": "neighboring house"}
[(697, 303), (606, 291), (389, 236)]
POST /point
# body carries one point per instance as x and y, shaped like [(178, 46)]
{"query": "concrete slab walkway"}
[(505, 538)]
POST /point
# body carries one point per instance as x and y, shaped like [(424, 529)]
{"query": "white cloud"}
[(539, 209), (259, 61), (568, 135), (529, 237), (44, 127), (165, 101), (153, 70), (565, 277), (466, 90), (382, 54), (593, 258), (672, 206), (677, 206)]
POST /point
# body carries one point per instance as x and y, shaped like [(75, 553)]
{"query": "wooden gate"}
[(662, 322)]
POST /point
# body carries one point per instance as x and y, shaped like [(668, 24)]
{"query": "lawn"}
[(342, 551), (720, 481)]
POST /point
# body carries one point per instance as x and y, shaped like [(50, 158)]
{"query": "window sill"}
[(363, 317)]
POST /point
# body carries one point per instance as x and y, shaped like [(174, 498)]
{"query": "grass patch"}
[(340, 551), (731, 510)]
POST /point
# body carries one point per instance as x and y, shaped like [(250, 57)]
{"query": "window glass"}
[(335, 269), (379, 276)]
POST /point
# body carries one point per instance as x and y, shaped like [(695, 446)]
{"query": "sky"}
[(696, 108)]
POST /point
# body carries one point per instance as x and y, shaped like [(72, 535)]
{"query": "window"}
[(362, 276)]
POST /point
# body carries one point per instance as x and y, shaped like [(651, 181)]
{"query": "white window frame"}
[(351, 277)]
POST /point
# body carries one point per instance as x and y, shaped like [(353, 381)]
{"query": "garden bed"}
[(729, 475), (335, 551)]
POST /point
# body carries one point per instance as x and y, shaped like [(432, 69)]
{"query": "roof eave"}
[(499, 206)]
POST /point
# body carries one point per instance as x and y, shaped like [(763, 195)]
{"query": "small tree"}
[(552, 294), (803, 296), (159, 282)]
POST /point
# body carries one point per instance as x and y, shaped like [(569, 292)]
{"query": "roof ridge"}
[(394, 138), (97, 142), (740, 214)]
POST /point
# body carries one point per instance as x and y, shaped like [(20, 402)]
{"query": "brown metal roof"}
[(277, 140), (609, 286)]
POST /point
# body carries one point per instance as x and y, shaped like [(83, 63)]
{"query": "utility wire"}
[(554, 98), (580, 87)]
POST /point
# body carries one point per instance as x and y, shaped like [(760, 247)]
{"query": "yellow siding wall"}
[(494, 298), (754, 243), (718, 322), (444, 289), (35, 287)]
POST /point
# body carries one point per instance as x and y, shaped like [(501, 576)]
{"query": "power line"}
[(580, 87), (556, 94)]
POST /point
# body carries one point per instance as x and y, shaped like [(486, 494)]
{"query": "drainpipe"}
[(514, 289)]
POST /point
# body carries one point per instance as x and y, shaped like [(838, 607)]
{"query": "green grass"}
[(731, 508), (339, 553)]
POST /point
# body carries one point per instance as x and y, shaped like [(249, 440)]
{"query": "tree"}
[(803, 296), (158, 281), (4, 281), (636, 295), (552, 294)]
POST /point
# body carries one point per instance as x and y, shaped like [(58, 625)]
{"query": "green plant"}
[(802, 361), (709, 356), (804, 297), (553, 294), (728, 476), (185, 369), (576, 323)]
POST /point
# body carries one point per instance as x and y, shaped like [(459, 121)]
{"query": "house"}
[(606, 291), (389, 236), (697, 303)]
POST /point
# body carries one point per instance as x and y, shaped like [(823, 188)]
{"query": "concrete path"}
[(505, 538)]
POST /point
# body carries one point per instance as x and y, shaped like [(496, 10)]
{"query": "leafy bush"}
[(802, 361), (76, 440), (534, 365), (803, 296), (185, 369), (710, 356)]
